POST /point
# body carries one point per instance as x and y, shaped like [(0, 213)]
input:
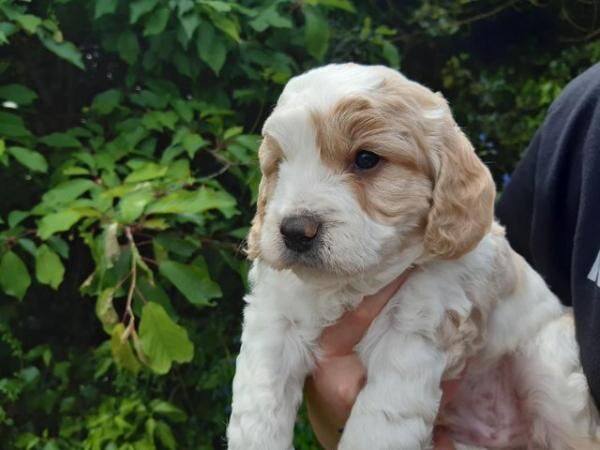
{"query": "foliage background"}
[(128, 136)]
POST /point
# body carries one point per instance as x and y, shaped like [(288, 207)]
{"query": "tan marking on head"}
[(398, 189), (464, 191), (429, 174), (269, 154)]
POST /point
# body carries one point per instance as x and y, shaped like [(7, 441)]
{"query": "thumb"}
[(442, 440)]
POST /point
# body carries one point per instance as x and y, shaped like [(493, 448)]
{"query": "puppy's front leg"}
[(267, 387), (397, 408)]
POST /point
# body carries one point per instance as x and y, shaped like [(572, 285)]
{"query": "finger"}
[(449, 390), (341, 337), (325, 430), (337, 382), (330, 394), (442, 439)]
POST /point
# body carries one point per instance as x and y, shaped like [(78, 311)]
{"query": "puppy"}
[(365, 175)]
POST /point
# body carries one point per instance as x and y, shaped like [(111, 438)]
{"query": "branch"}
[(584, 38), (130, 329), (485, 15)]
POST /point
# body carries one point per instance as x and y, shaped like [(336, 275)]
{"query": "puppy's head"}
[(358, 163)]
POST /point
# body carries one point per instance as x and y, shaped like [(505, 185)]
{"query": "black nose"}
[(299, 232)]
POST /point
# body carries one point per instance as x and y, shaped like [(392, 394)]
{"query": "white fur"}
[(288, 309)]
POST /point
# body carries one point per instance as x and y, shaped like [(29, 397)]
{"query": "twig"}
[(150, 260), (587, 37), (218, 173), (130, 329), (574, 24), (485, 15)]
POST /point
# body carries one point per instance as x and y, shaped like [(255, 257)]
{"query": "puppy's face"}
[(359, 163)]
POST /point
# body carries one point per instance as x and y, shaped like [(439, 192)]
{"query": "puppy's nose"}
[(299, 232)]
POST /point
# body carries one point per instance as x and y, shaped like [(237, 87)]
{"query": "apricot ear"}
[(269, 155), (253, 239), (463, 198)]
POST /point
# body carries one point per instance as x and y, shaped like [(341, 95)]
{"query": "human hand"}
[(333, 387)]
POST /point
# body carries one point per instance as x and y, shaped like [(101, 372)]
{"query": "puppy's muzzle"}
[(300, 232)]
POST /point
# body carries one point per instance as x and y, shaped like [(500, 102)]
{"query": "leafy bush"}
[(128, 137)]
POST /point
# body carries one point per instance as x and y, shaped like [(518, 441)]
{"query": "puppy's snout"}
[(299, 232)]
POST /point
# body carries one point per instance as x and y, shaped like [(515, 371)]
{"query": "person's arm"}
[(515, 206), (551, 209)]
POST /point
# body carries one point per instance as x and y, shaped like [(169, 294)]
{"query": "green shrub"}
[(128, 137)]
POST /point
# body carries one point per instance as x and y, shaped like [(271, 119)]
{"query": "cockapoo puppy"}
[(365, 175)]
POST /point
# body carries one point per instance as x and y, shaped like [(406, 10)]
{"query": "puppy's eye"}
[(365, 160)]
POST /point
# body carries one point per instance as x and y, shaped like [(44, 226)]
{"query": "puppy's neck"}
[(391, 267), (320, 300), (353, 287)]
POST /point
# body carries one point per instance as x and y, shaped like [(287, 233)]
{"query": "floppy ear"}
[(463, 198), (253, 239), (269, 155)]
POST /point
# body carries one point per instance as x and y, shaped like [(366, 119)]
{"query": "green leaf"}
[(156, 224), (28, 22), (150, 99), (270, 17), (12, 126), (211, 48), (177, 245), (112, 249), (148, 171), (139, 8), (192, 281), (14, 277), (2, 147), (17, 93), (59, 246), (316, 32), (165, 435), (390, 53), (104, 7), (67, 191), (28, 245), (227, 26), (57, 222), (183, 108), (128, 46), (60, 140), (122, 351), (15, 217), (156, 23), (346, 5), (168, 410), (156, 120), (105, 310), (217, 5), (64, 50), (189, 23), (162, 340), (232, 132), (132, 205), (105, 102), (193, 202), (32, 160), (147, 292), (193, 142), (49, 268), (179, 170)]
